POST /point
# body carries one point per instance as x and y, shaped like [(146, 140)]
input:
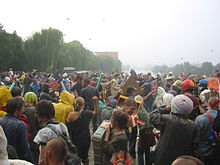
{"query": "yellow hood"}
[(67, 98), (5, 95)]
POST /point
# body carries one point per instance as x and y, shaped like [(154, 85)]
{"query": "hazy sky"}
[(142, 31)]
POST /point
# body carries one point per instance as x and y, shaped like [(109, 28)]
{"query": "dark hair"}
[(45, 88), (86, 81), (45, 109), (14, 104), (168, 85), (130, 90), (16, 91), (191, 90), (120, 119), (130, 102)]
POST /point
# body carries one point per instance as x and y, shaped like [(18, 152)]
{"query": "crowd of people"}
[(49, 119)]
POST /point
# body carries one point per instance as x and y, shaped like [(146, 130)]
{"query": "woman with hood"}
[(5, 95), (159, 98), (64, 107)]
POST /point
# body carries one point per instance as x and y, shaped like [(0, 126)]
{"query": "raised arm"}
[(96, 105)]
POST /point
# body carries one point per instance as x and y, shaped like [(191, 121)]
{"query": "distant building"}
[(112, 54)]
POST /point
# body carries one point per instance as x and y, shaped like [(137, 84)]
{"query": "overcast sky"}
[(142, 31)]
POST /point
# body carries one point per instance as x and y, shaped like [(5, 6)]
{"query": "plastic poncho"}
[(5, 95), (64, 107), (159, 98)]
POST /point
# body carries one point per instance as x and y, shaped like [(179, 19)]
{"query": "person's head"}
[(169, 80), (214, 103), (5, 95), (167, 98), (30, 98), (34, 81), (139, 100), (93, 83), (130, 106), (79, 103), (177, 85), (168, 85), (130, 90), (86, 82), (181, 104), (79, 79), (119, 120), (149, 77), (187, 160), (56, 151), (16, 92), (54, 86), (203, 84), (26, 75), (111, 102), (15, 106), (188, 86), (45, 88), (45, 111)]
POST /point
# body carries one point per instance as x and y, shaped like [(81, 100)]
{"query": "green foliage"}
[(161, 69), (108, 64), (11, 52), (47, 52), (43, 49), (205, 69)]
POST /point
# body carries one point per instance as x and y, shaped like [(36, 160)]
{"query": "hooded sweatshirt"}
[(5, 95), (64, 107)]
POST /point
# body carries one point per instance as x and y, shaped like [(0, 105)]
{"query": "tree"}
[(43, 49), (11, 51), (207, 68)]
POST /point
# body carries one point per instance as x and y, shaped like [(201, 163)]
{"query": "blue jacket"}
[(66, 85), (16, 133), (36, 88), (205, 126)]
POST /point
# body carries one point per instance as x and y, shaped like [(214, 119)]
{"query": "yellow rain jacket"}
[(64, 107), (5, 95)]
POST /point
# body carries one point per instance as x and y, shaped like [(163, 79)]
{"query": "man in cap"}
[(179, 136)]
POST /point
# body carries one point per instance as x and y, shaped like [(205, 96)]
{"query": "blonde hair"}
[(79, 103)]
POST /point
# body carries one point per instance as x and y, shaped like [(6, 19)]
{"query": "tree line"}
[(206, 68), (46, 51)]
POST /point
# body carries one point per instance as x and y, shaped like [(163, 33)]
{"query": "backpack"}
[(72, 157), (214, 138)]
